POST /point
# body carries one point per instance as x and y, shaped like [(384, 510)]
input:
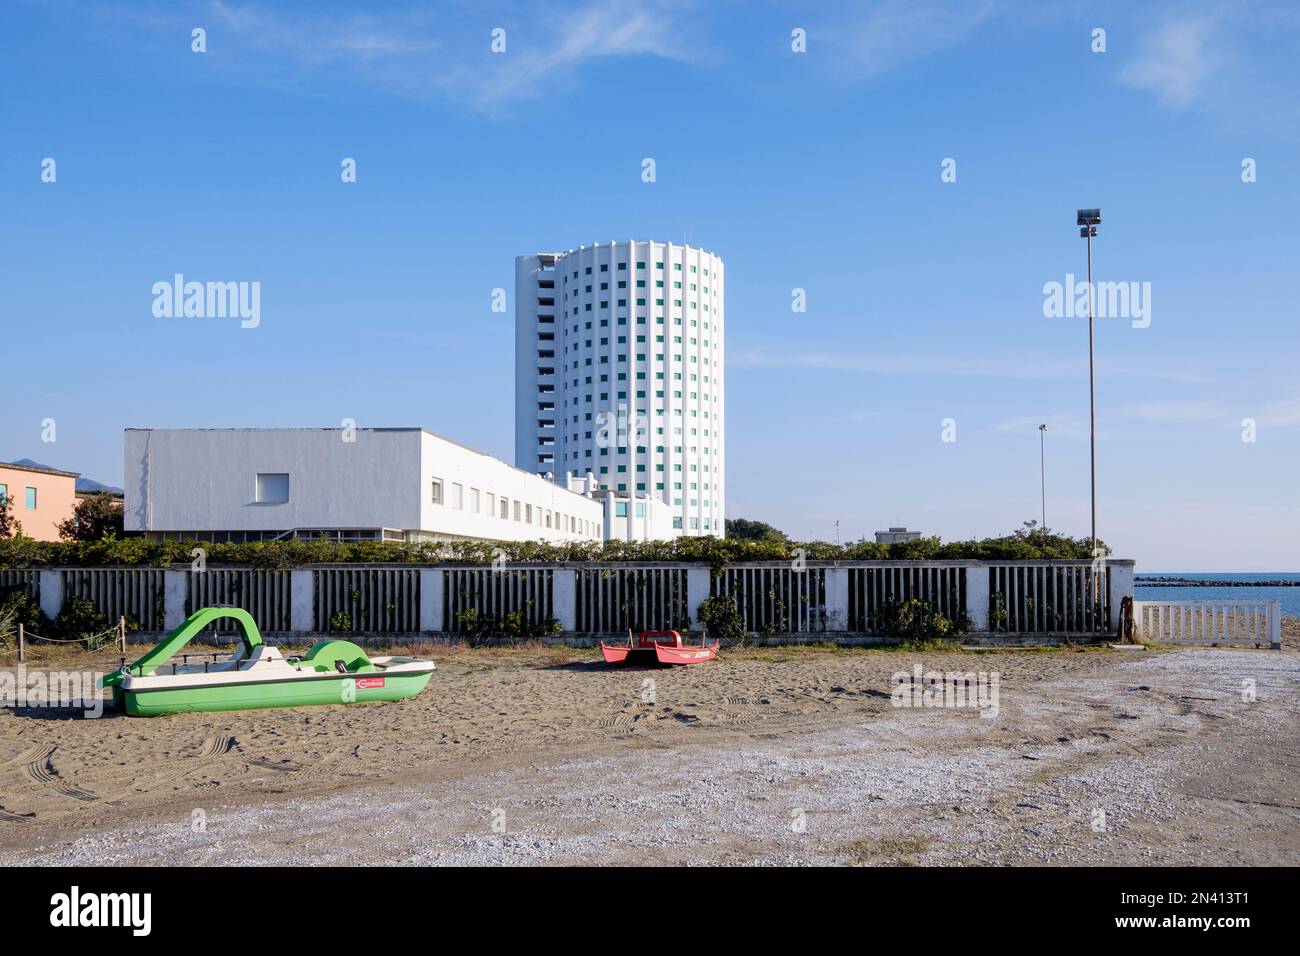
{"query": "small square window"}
[(272, 488)]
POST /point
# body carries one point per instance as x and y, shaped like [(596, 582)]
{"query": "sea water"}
[(1289, 596)]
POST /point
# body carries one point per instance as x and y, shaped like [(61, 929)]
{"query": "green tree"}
[(97, 516), (743, 529), (9, 526)]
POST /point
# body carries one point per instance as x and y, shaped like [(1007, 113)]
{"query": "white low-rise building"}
[(896, 535), (392, 484)]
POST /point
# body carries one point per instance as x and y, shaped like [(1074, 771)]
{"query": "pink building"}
[(42, 497)]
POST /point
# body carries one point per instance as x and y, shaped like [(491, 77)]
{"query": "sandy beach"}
[(771, 755)]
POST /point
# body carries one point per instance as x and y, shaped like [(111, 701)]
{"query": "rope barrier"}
[(91, 642), (54, 640)]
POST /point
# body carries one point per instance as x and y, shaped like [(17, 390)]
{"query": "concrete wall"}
[(429, 615), (205, 479)]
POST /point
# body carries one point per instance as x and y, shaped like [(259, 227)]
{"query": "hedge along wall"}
[(19, 553)]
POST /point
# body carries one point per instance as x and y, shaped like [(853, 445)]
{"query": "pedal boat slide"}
[(649, 649), (256, 675)]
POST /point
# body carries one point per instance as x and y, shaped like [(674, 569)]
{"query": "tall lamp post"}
[(1088, 220), (1042, 469)]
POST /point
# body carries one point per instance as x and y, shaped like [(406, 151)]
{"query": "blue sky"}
[(818, 171)]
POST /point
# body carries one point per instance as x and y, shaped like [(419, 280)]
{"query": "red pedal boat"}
[(663, 647)]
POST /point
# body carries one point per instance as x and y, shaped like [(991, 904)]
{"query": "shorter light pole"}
[(1042, 469)]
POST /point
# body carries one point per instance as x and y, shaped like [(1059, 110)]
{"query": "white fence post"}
[(837, 599), (431, 600), (697, 589), (1120, 574), (176, 588), (51, 585), (977, 597), (1275, 625), (302, 609), (564, 597)]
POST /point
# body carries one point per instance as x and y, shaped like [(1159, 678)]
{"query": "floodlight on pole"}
[(1088, 220)]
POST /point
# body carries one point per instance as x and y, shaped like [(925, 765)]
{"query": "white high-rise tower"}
[(619, 374)]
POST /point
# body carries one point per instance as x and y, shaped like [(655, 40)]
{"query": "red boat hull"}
[(622, 654), (657, 652), (668, 654)]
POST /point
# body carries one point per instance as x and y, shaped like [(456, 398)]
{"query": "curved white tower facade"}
[(619, 374)]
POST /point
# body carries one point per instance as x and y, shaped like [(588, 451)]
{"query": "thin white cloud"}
[(313, 43), (1266, 414), (1278, 415), (896, 365), (601, 30), (1178, 61), (410, 52), (1010, 367), (897, 32), (1177, 413), (1059, 425)]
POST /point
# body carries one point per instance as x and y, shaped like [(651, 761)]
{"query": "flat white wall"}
[(205, 480)]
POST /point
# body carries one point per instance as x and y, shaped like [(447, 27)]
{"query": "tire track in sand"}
[(210, 749), (40, 769)]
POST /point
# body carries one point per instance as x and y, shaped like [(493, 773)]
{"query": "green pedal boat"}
[(256, 675)]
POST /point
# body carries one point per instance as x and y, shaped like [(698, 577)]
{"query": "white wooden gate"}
[(1209, 622)]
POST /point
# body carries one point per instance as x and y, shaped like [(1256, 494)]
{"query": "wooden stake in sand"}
[(121, 634), (22, 649)]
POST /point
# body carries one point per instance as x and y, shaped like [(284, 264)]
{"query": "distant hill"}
[(83, 483)]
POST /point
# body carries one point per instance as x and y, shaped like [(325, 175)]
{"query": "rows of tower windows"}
[(575, 285), (640, 266), (572, 278)]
